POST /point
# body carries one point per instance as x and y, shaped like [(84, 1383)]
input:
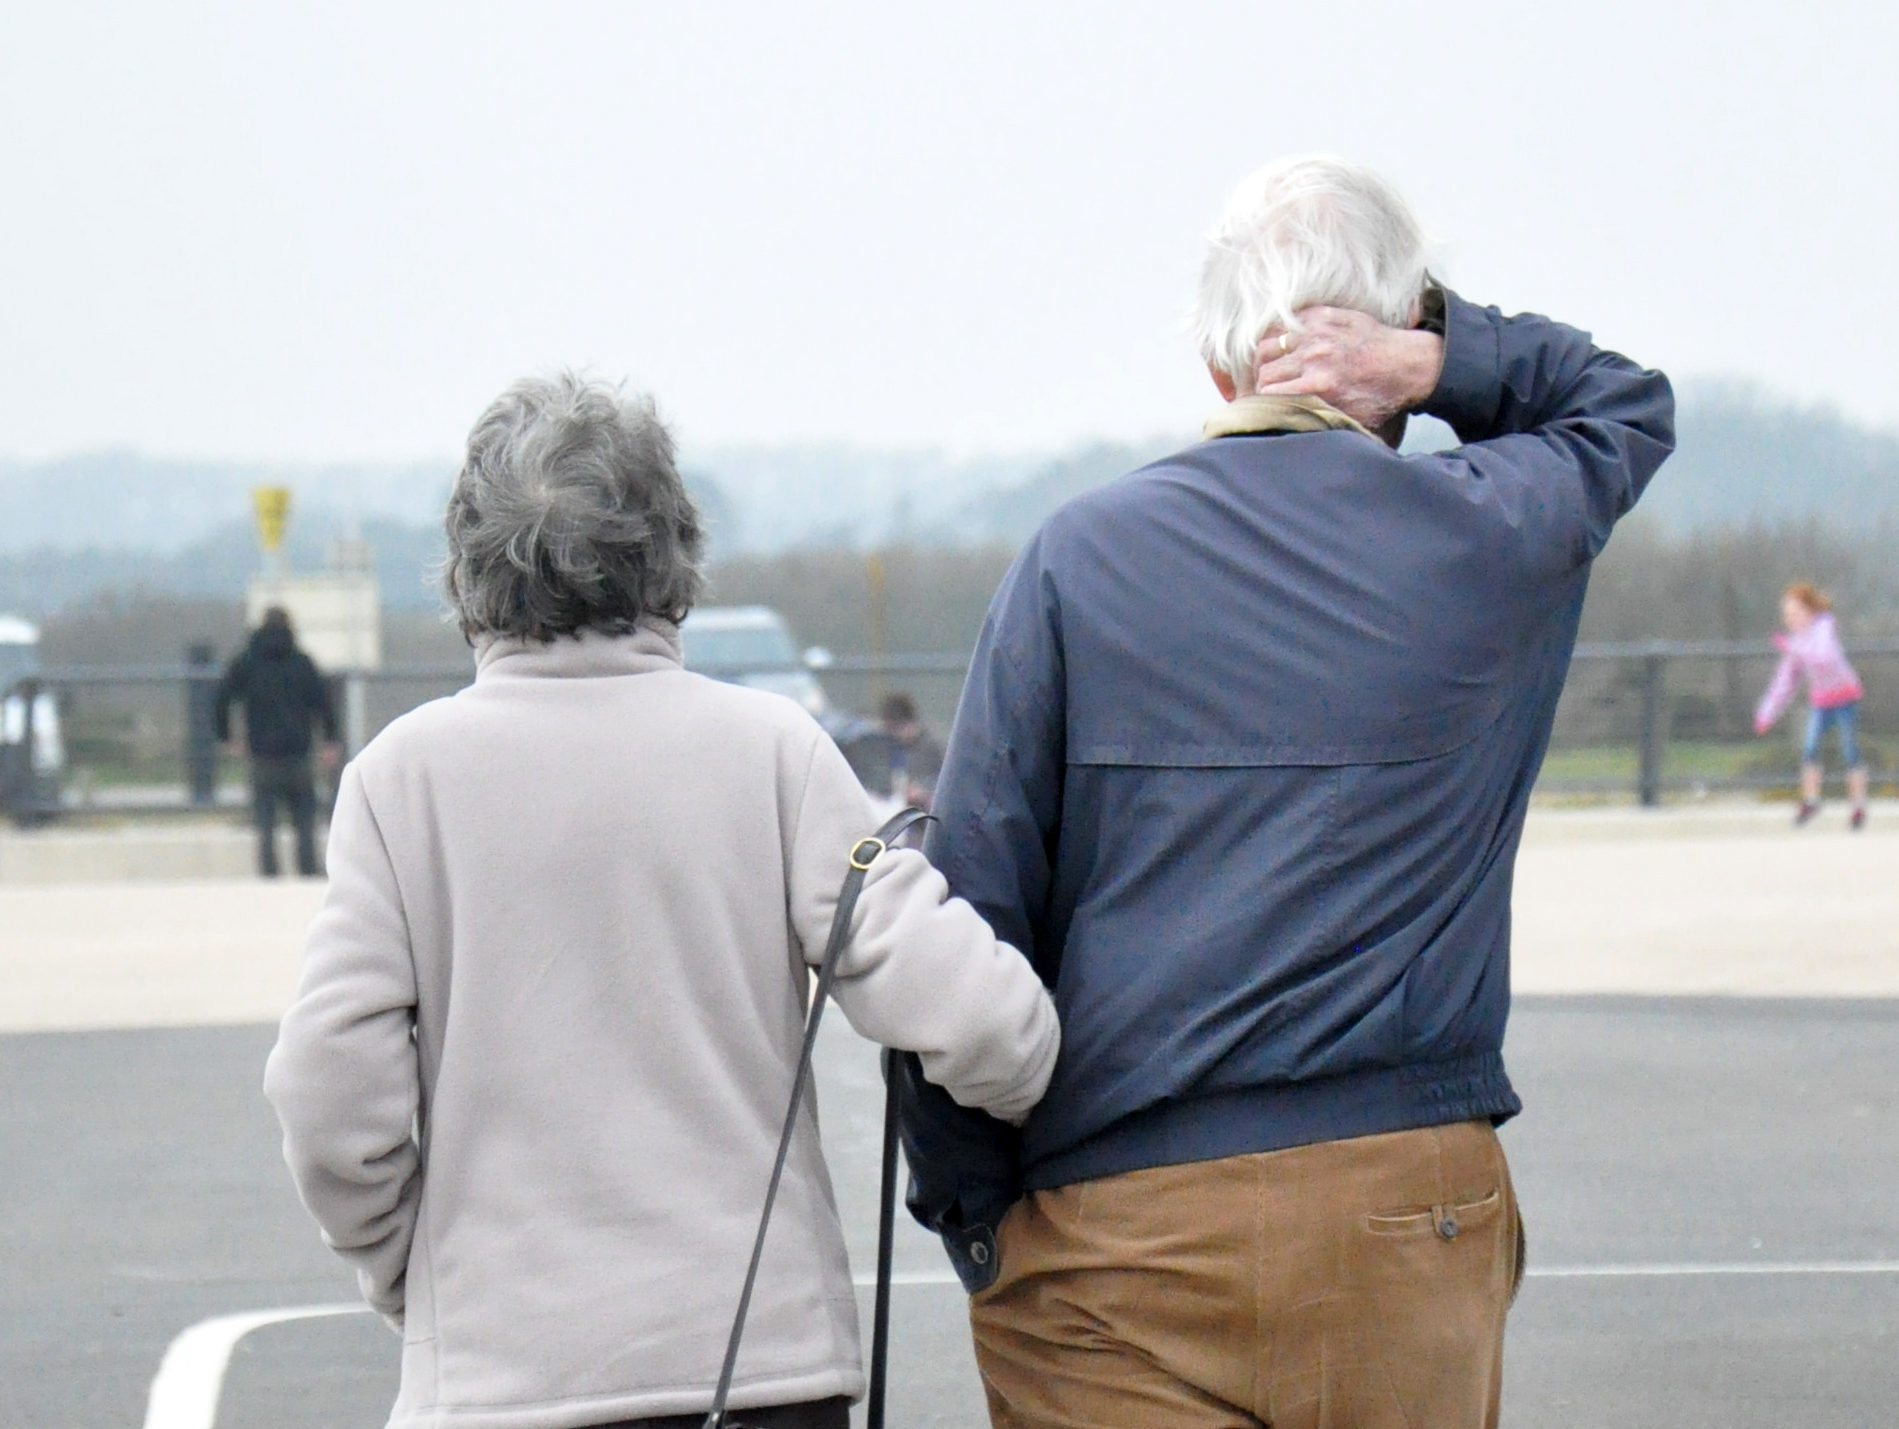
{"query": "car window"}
[(740, 648)]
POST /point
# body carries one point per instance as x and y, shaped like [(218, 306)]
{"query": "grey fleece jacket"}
[(532, 1080)]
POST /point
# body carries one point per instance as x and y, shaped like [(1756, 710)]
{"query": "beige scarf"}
[(1256, 415)]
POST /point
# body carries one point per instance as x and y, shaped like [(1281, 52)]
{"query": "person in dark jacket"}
[(284, 699), (1241, 765), (916, 753)]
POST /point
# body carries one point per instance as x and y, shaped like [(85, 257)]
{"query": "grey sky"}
[(335, 231)]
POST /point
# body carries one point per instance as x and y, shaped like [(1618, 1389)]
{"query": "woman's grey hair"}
[(569, 515), (1299, 233)]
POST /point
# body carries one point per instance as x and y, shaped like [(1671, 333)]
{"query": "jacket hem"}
[(1836, 699), (587, 1410), (1277, 1118)]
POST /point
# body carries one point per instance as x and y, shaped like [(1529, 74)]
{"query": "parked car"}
[(32, 749), (752, 645)]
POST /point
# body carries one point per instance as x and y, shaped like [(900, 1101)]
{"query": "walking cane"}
[(886, 1250)]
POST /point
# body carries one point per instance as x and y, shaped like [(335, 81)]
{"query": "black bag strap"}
[(864, 853)]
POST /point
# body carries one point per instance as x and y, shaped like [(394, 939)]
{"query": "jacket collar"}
[(592, 654), (1257, 416)]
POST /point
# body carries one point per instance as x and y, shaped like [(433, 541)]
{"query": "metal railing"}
[(142, 738), (1677, 689)]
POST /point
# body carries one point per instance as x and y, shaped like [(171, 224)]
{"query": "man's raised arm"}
[(1581, 429), (1561, 435)]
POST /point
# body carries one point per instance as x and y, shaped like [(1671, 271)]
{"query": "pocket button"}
[(1447, 1227)]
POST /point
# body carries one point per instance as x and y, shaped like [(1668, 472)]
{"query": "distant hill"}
[(825, 496), (218, 565), (1745, 455), (1012, 514), (1742, 457), (122, 521), (118, 500), (755, 499)]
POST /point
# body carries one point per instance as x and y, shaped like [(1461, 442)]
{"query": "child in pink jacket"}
[(1810, 647)]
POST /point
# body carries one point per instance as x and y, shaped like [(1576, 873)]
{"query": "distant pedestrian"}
[(284, 698), (916, 753), (1810, 649)]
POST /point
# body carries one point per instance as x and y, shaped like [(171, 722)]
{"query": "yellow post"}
[(272, 504)]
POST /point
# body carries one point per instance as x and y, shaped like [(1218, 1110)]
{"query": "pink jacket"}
[(1816, 654)]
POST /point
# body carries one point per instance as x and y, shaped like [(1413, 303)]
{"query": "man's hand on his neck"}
[(1372, 373)]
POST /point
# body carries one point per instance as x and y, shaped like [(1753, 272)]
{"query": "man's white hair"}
[(1301, 232)]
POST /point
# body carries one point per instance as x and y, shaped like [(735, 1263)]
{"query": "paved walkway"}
[(1721, 900), (1708, 901), (163, 954)]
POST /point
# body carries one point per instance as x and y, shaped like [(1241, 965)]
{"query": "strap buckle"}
[(862, 861)]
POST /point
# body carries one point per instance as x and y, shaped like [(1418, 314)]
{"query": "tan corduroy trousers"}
[(1349, 1285)]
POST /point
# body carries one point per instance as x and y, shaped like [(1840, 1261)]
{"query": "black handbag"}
[(864, 854)]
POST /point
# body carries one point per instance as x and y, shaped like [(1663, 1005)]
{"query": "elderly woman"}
[(549, 1013)]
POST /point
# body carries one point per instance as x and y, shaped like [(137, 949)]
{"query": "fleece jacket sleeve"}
[(1778, 694), (343, 1076), (922, 972)]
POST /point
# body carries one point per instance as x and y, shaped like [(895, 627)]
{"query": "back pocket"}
[(1447, 1222)]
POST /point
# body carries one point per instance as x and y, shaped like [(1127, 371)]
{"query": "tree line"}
[(1720, 583)]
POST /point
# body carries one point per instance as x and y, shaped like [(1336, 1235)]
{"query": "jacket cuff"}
[(973, 1256), (1469, 390)]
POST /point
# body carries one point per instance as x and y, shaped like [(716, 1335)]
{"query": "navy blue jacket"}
[(1242, 765)]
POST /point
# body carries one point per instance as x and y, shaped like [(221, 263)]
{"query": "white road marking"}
[(191, 1377), (909, 1277), (1720, 1267)]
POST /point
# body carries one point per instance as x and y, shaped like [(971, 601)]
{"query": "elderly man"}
[(1242, 766)]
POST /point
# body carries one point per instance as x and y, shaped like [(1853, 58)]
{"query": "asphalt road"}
[(141, 1192)]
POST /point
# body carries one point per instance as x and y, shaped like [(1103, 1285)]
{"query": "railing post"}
[(201, 734), (1654, 728), (16, 749)]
